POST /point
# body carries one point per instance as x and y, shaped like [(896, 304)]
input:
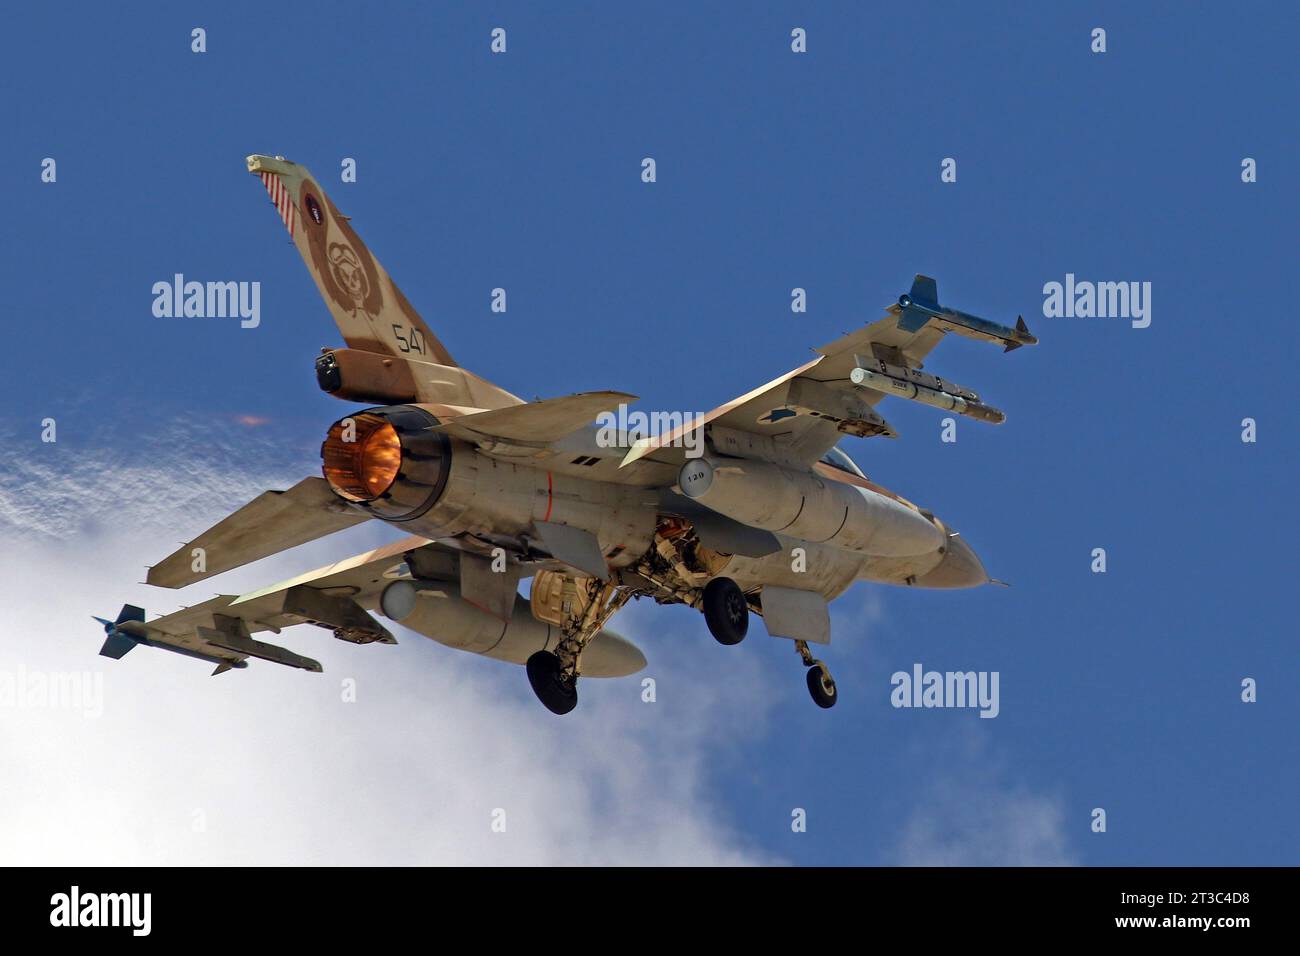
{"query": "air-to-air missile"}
[(921, 304), (915, 310), (920, 387)]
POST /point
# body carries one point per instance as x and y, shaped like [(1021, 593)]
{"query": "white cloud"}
[(269, 760)]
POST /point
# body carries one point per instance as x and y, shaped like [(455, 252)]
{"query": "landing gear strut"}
[(820, 683), (554, 676), (726, 611)]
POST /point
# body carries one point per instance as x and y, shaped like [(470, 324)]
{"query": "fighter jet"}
[(760, 515)]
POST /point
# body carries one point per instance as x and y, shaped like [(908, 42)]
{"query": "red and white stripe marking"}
[(280, 198)]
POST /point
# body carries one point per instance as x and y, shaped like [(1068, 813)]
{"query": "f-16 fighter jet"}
[(761, 514)]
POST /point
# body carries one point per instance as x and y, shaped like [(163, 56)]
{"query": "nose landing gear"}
[(726, 612), (820, 683)]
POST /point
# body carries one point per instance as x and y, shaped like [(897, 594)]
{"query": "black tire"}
[(726, 611), (556, 694), (822, 687)]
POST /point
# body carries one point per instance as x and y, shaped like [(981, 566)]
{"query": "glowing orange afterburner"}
[(361, 457)]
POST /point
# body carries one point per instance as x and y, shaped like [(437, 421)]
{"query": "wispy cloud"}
[(973, 813), (129, 481)]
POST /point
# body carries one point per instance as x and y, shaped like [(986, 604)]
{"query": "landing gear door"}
[(799, 615)]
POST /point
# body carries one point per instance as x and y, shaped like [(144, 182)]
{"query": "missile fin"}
[(925, 290), (913, 319), (130, 612), (116, 646)]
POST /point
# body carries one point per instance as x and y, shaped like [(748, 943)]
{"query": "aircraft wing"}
[(337, 597), (801, 415), (272, 522), (798, 417)]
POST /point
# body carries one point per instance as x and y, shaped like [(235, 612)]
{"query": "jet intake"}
[(804, 505)]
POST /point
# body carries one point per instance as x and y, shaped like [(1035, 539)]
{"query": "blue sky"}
[(775, 170)]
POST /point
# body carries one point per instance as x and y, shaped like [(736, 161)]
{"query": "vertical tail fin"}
[(367, 306)]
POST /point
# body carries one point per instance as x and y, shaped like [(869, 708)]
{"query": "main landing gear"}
[(726, 611), (588, 603), (558, 693), (554, 676)]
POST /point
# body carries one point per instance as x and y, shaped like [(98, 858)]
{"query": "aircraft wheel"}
[(557, 695), (725, 611), (821, 686)]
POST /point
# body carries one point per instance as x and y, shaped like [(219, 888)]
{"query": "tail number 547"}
[(408, 340)]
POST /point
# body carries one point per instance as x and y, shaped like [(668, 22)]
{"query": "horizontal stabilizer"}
[(272, 522), (536, 422)]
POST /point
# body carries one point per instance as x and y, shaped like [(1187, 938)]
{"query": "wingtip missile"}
[(920, 305)]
